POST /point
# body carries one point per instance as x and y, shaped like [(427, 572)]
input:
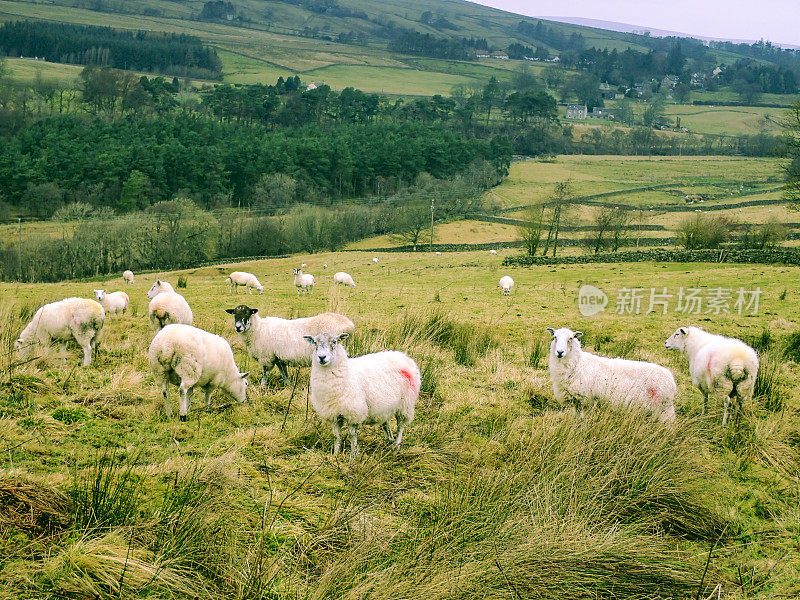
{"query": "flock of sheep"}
[(378, 387)]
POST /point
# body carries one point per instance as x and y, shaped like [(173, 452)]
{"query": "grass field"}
[(492, 475), (727, 120)]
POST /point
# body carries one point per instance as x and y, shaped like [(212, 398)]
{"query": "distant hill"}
[(640, 29), (405, 47)]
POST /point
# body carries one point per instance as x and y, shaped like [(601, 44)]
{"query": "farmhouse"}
[(607, 92), (601, 113), (576, 111), (499, 54)]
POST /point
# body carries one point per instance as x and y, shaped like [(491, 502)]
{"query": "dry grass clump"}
[(32, 507)]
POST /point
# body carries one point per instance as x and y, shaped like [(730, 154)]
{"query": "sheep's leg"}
[(208, 390), (401, 424), (165, 393), (284, 371), (353, 430), (726, 403), (87, 353), (337, 434), (265, 369), (388, 431), (705, 402)]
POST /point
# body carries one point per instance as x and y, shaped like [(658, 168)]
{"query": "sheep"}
[(438, 254), (303, 282), (114, 302), (369, 389), (190, 357), (506, 285), (344, 279), (127, 277), (168, 308), (494, 252), (248, 280), (325, 266), (717, 364), (375, 260), (273, 341), (77, 318), (159, 287), (303, 266), (586, 377)]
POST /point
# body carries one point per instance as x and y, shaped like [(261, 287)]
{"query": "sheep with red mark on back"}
[(586, 377), (370, 389), (719, 365)]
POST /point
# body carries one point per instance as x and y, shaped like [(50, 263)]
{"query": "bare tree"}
[(412, 221), (530, 230), (559, 201)]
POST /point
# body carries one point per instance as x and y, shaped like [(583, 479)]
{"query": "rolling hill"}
[(342, 42)]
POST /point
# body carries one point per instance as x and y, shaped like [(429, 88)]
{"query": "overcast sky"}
[(775, 20)]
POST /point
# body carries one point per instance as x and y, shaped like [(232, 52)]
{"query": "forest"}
[(148, 51)]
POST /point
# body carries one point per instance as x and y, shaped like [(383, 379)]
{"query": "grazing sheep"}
[(375, 260), (506, 285), (190, 357), (248, 280), (159, 287), (303, 282), (273, 341), (77, 318), (344, 279), (168, 308), (127, 277), (718, 365), (438, 254), (587, 377), (114, 302), (325, 266), (493, 252), (303, 266), (369, 389)]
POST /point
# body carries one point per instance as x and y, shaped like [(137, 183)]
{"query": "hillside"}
[(378, 48)]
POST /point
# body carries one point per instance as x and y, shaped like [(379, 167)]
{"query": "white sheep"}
[(506, 285), (248, 280), (167, 308), (586, 377), (325, 266), (369, 389), (303, 282), (303, 266), (438, 254), (113, 302), (375, 260), (127, 277), (273, 341), (494, 252), (76, 318), (190, 357), (718, 365), (159, 287), (344, 279)]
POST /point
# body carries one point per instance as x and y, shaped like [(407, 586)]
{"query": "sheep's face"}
[(326, 346), (241, 317), (298, 271), (155, 290), (677, 341), (260, 289), (564, 342), (99, 294)]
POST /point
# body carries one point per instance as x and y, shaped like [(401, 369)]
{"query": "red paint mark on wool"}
[(409, 377), (708, 366), (653, 395)]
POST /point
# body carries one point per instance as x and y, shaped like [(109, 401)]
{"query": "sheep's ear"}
[(253, 311), (552, 331), (578, 334), (682, 330), (244, 375), (230, 311), (344, 337), (309, 339)]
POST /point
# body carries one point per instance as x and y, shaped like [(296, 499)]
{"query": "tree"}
[(137, 192), (274, 190), (530, 230), (681, 92), (610, 229), (703, 231), (559, 201), (791, 150), (492, 95), (749, 93), (412, 220)]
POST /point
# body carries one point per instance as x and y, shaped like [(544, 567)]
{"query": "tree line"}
[(181, 54)]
